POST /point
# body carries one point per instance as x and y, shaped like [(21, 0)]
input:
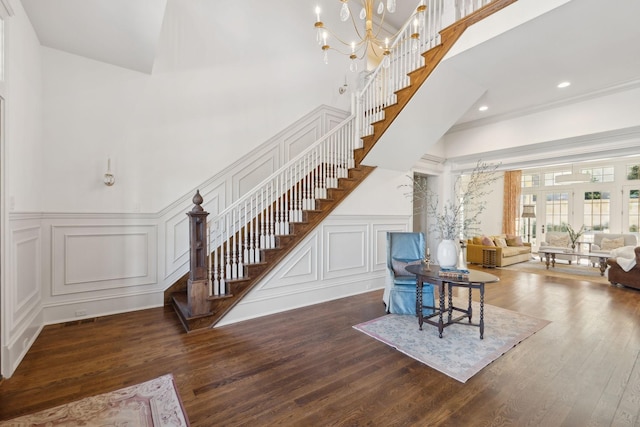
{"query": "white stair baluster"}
[(272, 233)]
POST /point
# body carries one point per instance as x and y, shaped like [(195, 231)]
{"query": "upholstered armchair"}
[(400, 288), (625, 270)]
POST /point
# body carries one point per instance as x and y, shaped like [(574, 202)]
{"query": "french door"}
[(631, 208)]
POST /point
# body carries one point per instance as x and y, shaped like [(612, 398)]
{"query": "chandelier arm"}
[(339, 39), (345, 53), (355, 25), (394, 36)]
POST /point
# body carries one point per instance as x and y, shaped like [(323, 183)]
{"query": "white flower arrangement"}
[(458, 218)]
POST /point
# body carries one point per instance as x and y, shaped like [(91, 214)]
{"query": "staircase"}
[(250, 237)]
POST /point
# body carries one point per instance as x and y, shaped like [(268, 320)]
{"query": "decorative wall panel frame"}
[(67, 241), (345, 250), (26, 260)]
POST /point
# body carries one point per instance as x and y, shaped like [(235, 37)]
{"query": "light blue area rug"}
[(460, 353)]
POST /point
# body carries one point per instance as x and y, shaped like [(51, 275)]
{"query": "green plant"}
[(574, 235)]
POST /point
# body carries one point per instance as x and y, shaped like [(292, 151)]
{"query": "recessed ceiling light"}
[(564, 84), (483, 108)]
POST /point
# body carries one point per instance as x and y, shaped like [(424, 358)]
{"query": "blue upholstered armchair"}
[(400, 289)]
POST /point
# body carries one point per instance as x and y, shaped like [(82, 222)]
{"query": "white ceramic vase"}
[(447, 253)]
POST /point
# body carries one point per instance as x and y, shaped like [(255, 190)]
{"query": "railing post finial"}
[(197, 201)]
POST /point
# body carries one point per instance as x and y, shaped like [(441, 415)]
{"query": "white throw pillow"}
[(561, 241), (609, 244)]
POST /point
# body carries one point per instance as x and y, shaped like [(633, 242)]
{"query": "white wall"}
[(23, 175), (24, 113), (218, 89)]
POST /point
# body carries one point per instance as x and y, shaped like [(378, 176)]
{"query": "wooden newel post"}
[(198, 283)]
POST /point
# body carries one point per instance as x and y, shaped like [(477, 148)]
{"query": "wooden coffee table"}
[(477, 280), (602, 258), (550, 255)]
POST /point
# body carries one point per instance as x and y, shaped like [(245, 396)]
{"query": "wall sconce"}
[(343, 89), (109, 179)]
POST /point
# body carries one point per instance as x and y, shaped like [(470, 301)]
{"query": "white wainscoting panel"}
[(298, 271), (253, 171), (303, 137), (333, 119), (345, 249), (26, 261), (94, 258), (22, 297), (301, 266)]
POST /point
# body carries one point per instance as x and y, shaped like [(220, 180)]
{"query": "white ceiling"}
[(119, 32), (593, 44)]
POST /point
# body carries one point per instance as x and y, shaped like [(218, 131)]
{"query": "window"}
[(603, 174), (530, 180), (597, 206), (634, 212), (557, 211), (633, 172), (550, 177)]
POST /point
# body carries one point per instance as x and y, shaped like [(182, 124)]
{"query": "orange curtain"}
[(511, 201)]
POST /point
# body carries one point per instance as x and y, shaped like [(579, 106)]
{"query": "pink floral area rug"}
[(152, 403), (460, 353)]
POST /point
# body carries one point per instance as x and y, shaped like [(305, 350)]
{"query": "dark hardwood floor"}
[(309, 367)]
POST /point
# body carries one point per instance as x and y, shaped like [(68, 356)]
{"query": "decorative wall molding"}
[(26, 273), (303, 137), (100, 257), (345, 249), (254, 171)]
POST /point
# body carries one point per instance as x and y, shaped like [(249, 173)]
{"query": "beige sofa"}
[(557, 240), (509, 249), (604, 242)]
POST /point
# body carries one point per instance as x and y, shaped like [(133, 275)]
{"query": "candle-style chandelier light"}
[(373, 38)]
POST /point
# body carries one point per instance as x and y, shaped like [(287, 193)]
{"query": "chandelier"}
[(372, 39)]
